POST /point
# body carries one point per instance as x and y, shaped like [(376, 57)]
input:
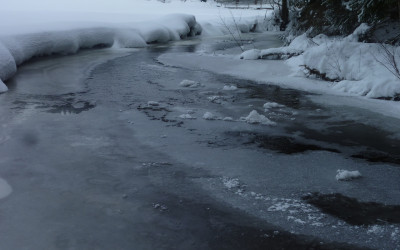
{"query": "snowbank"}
[(16, 49), (354, 67)]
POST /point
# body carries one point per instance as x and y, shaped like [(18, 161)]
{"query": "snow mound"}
[(252, 54), (18, 48), (209, 116), (153, 103), (229, 87), (189, 84), (270, 105), (255, 118), (5, 189), (228, 119), (345, 175), (187, 117)]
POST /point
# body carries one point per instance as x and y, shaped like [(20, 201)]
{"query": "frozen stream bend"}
[(99, 155)]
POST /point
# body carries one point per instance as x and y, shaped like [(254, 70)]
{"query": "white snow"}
[(229, 87), (187, 116), (252, 54), (189, 84), (228, 119), (230, 182), (346, 175), (153, 103), (270, 105), (209, 116), (255, 118), (29, 29), (5, 189)]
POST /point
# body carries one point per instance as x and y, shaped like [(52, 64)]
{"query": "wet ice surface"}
[(122, 157)]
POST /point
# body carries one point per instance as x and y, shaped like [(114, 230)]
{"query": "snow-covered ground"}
[(356, 68), (30, 29)]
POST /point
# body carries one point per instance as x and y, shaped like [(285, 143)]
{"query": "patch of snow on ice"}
[(252, 54), (270, 105), (228, 119), (255, 118), (229, 87), (187, 116), (296, 220), (209, 116), (230, 182), (189, 84), (153, 103), (345, 175), (5, 189)]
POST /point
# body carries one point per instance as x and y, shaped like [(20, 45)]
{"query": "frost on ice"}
[(345, 175), (255, 118)]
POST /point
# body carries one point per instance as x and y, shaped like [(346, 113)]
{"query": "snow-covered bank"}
[(30, 29), (362, 69), (16, 49)]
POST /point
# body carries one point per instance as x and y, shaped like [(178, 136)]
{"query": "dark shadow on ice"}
[(375, 156), (281, 144), (353, 211)]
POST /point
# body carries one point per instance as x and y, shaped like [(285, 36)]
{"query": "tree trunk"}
[(285, 14), (398, 8)]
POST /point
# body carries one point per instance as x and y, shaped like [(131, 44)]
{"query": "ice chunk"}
[(269, 105), (229, 87), (189, 84), (209, 116), (187, 116), (345, 175), (254, 118), (153, 103)]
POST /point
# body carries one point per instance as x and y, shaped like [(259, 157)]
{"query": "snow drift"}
[(18, 48)]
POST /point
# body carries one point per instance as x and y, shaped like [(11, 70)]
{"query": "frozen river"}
[(107, 150)]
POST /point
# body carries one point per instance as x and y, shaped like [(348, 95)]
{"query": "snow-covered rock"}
[(345, 175), (255, 118)]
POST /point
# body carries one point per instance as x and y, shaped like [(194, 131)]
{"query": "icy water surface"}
[(106, 150)]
